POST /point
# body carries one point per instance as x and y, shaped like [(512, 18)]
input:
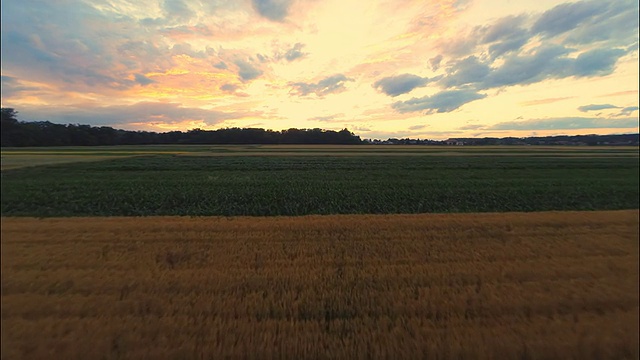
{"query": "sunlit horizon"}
[(388, 69)]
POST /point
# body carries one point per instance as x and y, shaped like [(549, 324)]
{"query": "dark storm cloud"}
[(400, 84), (445, 101), (329, 85), (595, 107), (276, 10), (566, 123)]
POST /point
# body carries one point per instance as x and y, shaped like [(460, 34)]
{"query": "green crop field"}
[(119, 282), (228, 180)]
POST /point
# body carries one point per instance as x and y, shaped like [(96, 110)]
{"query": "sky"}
[(390, 68)]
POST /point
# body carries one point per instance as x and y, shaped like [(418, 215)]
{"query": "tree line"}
[(17, 133)]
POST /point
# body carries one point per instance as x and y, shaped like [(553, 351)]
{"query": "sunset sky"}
[(395, 68)]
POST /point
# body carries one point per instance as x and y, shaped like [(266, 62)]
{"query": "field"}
[(192, 252), (522, 285), (200, 181)]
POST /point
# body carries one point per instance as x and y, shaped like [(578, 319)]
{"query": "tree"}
[(46, 133), (9, 114), (9, 126)]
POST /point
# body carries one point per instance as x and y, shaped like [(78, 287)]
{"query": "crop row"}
[(537, 285), (188, 185)]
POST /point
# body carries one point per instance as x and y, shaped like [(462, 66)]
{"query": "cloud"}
[(565, 17), (177, 10), (507, 46), (471, 127), (221, 65), (545, 62), (460, 46), (418, 127), (608, 23), (616, 25), (79, 46), (246, 70), (329, 85), (545, 101), (466, 71), (621, 93), (262, 58), (143, 80), (435, 62), (181, 32), (139, 54), (400, 84), (566, 123), (206, 52), (588, 22), (327, 118), (12, 87), (358, 128), (628, 110), (28, 59), (597, 62), (142, 112), (445, 101), (504, 28), (229, 87), (595, 107), (295, 52), (276, 10)]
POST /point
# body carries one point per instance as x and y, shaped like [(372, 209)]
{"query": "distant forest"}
[(575, 140), (17, 133), (44, 133)]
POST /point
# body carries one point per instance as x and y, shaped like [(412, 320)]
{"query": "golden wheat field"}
[(553, 285)]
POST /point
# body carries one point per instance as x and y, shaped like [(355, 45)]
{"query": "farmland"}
[(317, 252), (285, 181), (520, 285)]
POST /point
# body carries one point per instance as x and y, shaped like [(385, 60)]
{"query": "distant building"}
[(454, 142)]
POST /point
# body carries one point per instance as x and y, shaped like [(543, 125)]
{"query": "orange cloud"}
[(544, 101)]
